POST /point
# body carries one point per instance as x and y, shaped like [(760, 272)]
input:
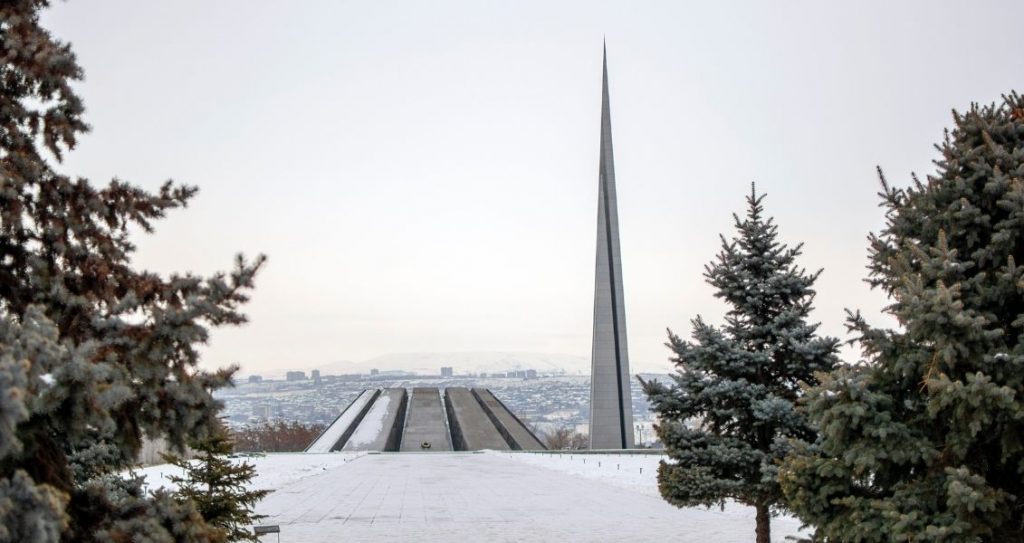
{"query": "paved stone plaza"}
[(490, 496)]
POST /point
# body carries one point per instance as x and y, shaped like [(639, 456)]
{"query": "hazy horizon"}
[(424, 177)]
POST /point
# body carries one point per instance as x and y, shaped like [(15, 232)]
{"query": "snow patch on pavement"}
[(273, 470), (639, 473), (633, 471)]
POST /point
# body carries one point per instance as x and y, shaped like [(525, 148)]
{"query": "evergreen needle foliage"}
[(218, 487), (94, 354), (726, 418), (924, 440)]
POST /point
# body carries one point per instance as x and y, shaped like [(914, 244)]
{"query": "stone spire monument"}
[(611, 405)]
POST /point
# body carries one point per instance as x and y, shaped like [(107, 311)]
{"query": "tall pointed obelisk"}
[(611, 405)]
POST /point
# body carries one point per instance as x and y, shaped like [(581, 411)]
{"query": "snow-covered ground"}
[(637, 472), (273, 471), (488, 496)]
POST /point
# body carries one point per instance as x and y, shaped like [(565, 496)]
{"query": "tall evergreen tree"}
[(924, 440), (94, 354), (218, 487), (726, 418)]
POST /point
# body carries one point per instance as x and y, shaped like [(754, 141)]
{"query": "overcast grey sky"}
[(423, 175)]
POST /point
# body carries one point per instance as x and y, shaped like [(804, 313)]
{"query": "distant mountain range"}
[(462, 363)]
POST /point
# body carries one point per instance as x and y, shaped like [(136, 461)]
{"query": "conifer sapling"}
[(218, 487), (726, 418)]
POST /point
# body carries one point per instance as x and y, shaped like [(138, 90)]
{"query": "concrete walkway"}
[(464, 497)]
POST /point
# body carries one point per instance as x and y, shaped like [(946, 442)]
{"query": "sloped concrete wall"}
[(334, 436), (392, 420), (472, 429), (381, 427), (509, 426)]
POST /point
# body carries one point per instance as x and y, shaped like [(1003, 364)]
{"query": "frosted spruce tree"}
[(94, 354), (218, 487), (924, 440), (726, 418)]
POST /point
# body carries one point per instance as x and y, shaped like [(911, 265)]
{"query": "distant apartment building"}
[(375, 371), (255, 379), (295, 376), (446, 371), (315, 374), (531, 374)]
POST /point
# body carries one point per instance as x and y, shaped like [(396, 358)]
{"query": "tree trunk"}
[(764, 525)]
